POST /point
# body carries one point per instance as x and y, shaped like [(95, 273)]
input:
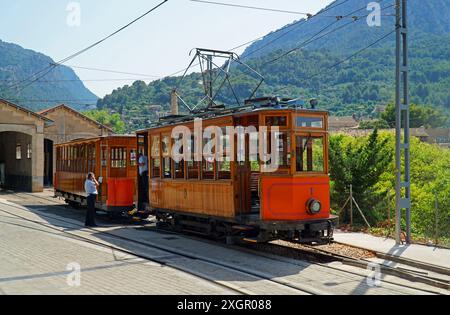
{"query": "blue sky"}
[(157, 45)]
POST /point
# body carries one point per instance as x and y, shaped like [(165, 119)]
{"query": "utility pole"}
[(402, 147)]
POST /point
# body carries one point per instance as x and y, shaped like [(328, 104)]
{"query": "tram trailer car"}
[(237, 201), (113, 159)]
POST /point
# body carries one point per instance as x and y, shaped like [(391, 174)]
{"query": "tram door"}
[(243, 171), (143, 181)]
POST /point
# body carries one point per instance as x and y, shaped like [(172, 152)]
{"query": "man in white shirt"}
[(90, 186), (143, 180)]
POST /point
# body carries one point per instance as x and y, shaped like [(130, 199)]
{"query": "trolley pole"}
[(402, 148)]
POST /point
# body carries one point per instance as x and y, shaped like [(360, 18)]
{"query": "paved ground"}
[(428, 254), (34, 260)]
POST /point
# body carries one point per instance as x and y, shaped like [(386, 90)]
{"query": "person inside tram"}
[(143, 180)]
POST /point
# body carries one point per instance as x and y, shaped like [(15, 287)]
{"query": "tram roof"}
[(254, 106)]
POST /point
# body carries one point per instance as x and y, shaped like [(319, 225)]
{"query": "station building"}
[(27, 138)]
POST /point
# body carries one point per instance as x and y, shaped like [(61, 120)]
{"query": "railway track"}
[(77, 236), (308, 253)]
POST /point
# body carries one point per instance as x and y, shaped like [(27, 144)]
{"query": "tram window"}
[(155, 147), (208, 168), (165, 145), (224, 168), (167, 167), (284, 150), (118, 157), (155, 157), (156, 167), (310, 154), (208, 163), (224, 156), (279, 121), (193, 169), (309, 122), (179, 169), (104, 156), (133, 157)]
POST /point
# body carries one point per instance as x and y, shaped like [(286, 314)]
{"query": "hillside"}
[(17, 63), (425, 18), (356, 86)]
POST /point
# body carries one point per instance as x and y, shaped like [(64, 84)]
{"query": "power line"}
[(309, 15), (313, 38), (115, 71), (346, 59), (50, 68)]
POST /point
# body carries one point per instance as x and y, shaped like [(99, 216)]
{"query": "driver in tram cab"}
[(143, 178)]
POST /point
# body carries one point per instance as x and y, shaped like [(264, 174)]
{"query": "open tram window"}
[(310, 154), (155, 157)]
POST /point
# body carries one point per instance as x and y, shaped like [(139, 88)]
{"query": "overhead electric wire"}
[(261, 37), (314, 38), (347, 58), (261, 8), (50, 68)]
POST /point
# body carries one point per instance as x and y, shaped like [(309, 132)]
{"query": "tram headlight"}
[(313, 206)]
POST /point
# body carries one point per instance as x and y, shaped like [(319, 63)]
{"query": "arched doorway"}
[(16, 161)]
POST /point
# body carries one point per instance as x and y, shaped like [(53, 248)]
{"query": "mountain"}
[(357, 86), (425, 18), (61, 85)]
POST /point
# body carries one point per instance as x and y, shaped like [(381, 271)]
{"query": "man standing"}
[(90, 187), (143, 180)]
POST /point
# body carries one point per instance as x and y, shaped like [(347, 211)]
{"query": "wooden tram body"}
[(113, 159), (237, 200)]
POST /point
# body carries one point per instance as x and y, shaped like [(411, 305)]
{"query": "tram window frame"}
[(155, 155), (309, 157), (133, 157), (119, 157), (276, 121), (207, 172), (166, 158), (286, 165), (192, 166), (309, 119), (224, 164)]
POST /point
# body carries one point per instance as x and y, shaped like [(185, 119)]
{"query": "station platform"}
[(421, 253)]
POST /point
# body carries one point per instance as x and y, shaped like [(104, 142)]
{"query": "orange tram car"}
[(113, 159), (236, 200)]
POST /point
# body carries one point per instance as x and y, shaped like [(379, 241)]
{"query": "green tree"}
[(111, 120), (420, 116), (359, 162)]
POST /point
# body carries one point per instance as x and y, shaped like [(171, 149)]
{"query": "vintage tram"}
[(236, 198), (114, 161)]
